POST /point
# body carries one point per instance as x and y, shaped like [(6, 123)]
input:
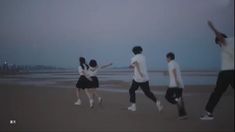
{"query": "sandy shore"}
[(38, 108)]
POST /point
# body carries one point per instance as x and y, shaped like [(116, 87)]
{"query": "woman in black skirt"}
[(94, 84), (83, 81)]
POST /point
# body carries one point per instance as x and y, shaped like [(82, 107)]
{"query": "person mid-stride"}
[(94, 84), (83, 81), (141, 79), (175, 90), (226, 75)]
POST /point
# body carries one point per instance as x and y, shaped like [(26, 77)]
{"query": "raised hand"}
[(210, 24)]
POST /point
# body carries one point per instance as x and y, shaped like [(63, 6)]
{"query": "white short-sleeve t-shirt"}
[(93, 71), (140, 59), (227, 54), (82, 71), (171, 66)]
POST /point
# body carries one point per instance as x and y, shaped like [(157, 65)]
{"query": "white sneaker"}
[(91, 104), (177, 99), (208, 116), (159, 106), (100, 100), (132, 108), (183, 117), (78, 102)]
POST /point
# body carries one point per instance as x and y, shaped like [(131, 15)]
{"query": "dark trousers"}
[(171, 95), (145, 87), (225, 79)]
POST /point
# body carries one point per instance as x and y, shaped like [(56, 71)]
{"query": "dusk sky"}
[(57, 32)]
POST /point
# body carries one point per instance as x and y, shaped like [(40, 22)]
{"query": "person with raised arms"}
[(226, 75)]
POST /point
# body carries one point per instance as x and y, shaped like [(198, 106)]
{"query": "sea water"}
[(158, 78)]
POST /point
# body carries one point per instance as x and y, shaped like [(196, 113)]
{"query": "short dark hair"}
[(217, 39), (137, 50), (93, 63), (170, 55)]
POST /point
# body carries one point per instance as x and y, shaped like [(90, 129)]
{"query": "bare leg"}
[(88, 93), (90, 96), (78, 93), (78, 102), (95, 93)]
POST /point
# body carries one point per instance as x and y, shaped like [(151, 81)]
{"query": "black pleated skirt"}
[(83, 82), (94, 83)]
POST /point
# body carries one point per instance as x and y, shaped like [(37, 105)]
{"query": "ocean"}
[(69, 77)]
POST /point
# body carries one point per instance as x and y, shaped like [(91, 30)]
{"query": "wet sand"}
[(40, 108)]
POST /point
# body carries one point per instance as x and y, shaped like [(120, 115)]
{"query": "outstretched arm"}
[(213, 28), (104, 66)]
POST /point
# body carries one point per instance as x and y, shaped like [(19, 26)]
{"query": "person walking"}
[(83, 81), (94, 83), (174, 93)]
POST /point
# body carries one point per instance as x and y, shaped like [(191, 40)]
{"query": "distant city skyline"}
[(57, 32)]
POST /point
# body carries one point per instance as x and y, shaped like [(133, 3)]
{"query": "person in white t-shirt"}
[(94, 83), (140, 79), (226, 75), (83, 81), (175, 90)]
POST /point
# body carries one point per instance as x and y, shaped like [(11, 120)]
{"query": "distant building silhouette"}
[(5, 66)]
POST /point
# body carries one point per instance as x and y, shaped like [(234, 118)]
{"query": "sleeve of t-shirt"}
[(133, 60), (230, 50), (171, 66), (80, 69)]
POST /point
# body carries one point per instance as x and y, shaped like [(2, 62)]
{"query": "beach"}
[(32, 103)]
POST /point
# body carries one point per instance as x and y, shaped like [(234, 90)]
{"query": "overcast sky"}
[(57, 32)]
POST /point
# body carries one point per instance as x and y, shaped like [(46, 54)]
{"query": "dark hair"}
[(137, 50), (82, 61), (217, 39), (170, 55), (93, 63)]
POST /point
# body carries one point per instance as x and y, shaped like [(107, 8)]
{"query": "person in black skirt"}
[(94, 84), (83, 81)]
